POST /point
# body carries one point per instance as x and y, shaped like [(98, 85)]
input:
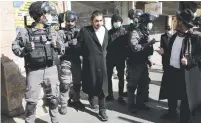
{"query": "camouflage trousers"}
[(70, 78), (48, 80)]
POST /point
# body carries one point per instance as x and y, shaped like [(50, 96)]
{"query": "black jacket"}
[(71, 52), (94, 71), (137, 52), (164, 42), (116, 50), (167, 86)]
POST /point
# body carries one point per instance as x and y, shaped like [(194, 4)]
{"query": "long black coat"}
[(94, 71), (168, 87), (164, 43)]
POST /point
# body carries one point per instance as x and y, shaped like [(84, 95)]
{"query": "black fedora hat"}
[(186, 17)]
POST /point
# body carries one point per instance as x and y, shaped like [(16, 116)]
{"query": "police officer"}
[(70, 63), (140, 47), (134, 16), (39, 45)]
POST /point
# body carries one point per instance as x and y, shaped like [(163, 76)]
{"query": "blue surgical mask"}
[(149, 26), (116, 25)]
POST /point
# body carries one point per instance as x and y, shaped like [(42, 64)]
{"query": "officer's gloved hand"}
[(29, 46), (53, 42), (153, 41), (73, 42)]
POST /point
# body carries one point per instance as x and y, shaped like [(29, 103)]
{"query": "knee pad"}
[(65, 71), (53, 103), (30, 108), (64, 87), (47, 87)]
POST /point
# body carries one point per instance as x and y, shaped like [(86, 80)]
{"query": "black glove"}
[(73, 41), (153, 41), (28, 47)]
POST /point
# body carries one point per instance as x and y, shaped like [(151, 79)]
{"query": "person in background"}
[(116, 56)]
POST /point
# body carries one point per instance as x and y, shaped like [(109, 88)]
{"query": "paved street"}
[(116, 112)]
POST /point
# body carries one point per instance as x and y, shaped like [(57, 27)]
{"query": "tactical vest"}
[(141, 56), (70, 53), (43, 55), (70, 35)]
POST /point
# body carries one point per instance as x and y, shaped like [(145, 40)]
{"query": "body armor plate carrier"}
[(43, 55)]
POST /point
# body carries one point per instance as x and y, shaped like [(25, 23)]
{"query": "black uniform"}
[(138, 70)]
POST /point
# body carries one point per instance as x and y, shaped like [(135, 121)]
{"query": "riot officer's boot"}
[(63, 110)]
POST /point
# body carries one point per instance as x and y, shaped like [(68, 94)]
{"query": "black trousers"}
[(98, 100), (181, 94), (184, 109), (120, 73), (137, 79)]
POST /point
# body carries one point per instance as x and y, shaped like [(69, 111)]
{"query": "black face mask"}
[(70, 26)]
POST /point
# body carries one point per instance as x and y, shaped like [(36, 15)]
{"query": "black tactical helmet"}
[(71, 16), (38, 8), (148, 17), (134, 13), (197, 21)]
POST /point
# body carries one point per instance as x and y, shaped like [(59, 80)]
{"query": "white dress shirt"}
[(100, 33), (175, 53)]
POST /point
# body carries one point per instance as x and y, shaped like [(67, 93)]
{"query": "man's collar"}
[(98, 29)]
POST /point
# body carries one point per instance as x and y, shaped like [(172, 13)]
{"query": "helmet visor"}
[(51, 9), (153, 16)]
